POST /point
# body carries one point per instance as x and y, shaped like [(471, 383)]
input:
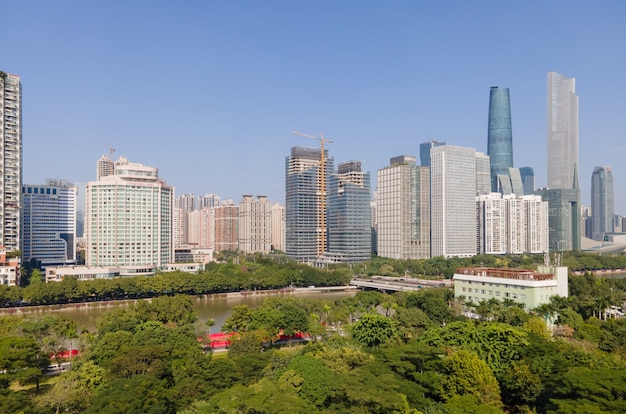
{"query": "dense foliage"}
[(411, 352)]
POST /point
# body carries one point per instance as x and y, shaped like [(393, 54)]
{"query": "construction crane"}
[(321, 213), (111, 150)]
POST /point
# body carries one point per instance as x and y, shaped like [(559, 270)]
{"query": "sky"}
[(209, 92)]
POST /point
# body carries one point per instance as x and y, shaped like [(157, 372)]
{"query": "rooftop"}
[(517, 274)]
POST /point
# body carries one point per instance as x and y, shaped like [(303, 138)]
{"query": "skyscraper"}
[(499, 134), (453, 200), (563, 192), (602, 202), (10, 160), (403, 209), (49, 223), (425, 149), (129, 220), (349, 216), (305, 233), (562, 131), (528, 180)]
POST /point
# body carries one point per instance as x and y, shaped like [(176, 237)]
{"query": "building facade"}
[(49, 223), (512, 225), (349, 216), (129, 220), (527, 287), (528, 180), (602, 203), (564, 219), (453, 201), (562, 131), (499, 134), (226, 227), (305, 210), (255, 225), (278, 227), (10, 160), (403, 209)]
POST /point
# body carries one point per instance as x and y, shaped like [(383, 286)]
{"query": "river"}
[(216, 308)]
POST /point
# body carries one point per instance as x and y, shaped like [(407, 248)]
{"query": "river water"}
[(216, 308)]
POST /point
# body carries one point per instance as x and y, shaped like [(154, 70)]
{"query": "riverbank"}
[(22, 310)]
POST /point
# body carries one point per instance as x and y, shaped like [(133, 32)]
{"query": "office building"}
[(255, 225), (403, 209), (563, 191), (499, 134), (425, 149), (129, 220), (349, 216), (49, 223), (527, 175), (602, 203), (10, 160), (306, 172), (562, 131), (453, 200), (483, 174), (563, 217)]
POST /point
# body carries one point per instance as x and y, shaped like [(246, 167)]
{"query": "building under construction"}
[(305, 207)]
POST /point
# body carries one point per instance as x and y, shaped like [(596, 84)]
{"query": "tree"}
[(467, 374), (142, 394), (374, 330), (239, 320)]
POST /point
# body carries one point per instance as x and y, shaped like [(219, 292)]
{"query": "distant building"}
[(255, 225), (278, 227), (563, 217), (499, 135), (349, 215), (305, 213), (454, 187), (602, 203), (528, 180), (226, 221), (49, 223), (526, 287), (129, 220), (104, 167), (562, 117), (9, 269), (10, 160), (403, 209), (425, 149), (512, 225)]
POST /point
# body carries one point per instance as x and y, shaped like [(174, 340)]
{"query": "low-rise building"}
[(9, 269), (528, 287)]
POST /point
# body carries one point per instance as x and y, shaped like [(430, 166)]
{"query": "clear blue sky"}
[(209, 91)]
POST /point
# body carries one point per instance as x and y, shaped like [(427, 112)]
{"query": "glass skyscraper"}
[(499, 134), (602, 202), (528, 179), (349, 214), (562, 131), (49, 223)]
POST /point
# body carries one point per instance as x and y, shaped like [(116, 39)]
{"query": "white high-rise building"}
[(511, 225), (179, 227), (483, 174), (278, 226), (562, 131), (453, 200), (129, 220), (10, 160), (255, 225), (403, 210), (49, 223)]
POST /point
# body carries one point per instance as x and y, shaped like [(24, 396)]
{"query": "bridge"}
[(394, 284)]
